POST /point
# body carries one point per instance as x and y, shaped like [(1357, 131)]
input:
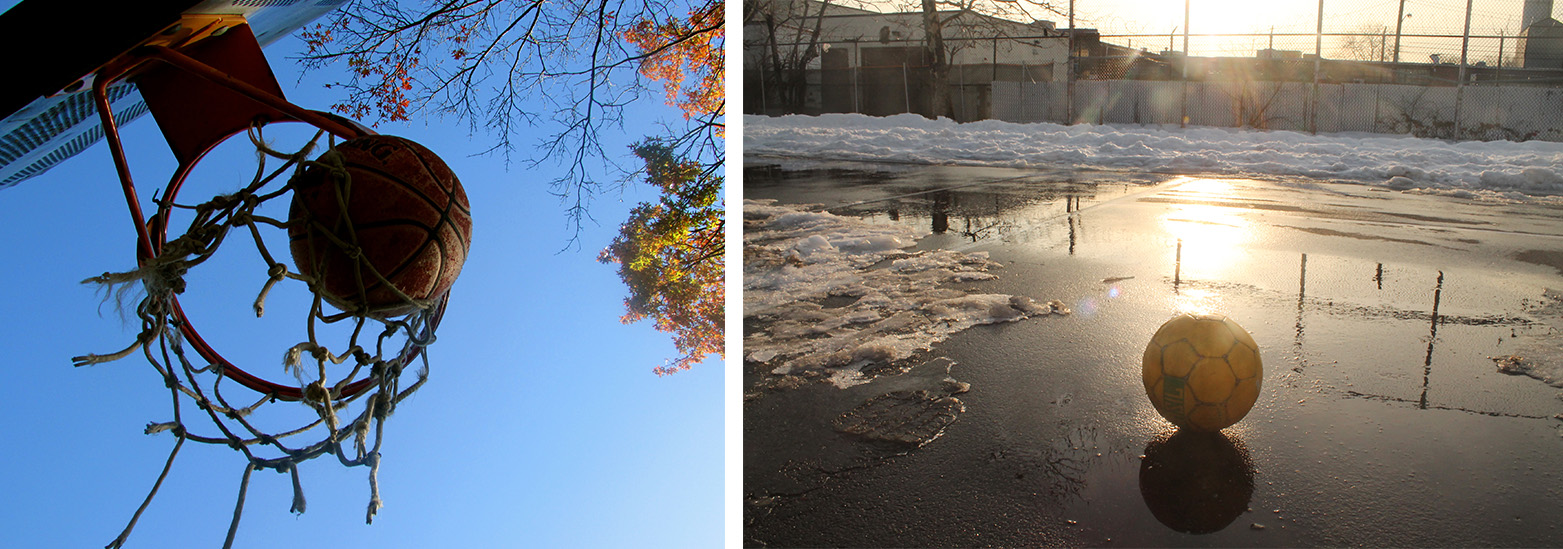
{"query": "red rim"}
[(152, 236), (158, 233)]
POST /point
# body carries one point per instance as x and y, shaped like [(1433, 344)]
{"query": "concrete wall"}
[(1486, 112)]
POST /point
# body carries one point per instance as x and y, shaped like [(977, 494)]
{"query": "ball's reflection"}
[(1194, 482)]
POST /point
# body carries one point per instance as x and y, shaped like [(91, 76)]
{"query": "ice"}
[(1546, 369), (1502, 171), (794, 260), (1539, 351)]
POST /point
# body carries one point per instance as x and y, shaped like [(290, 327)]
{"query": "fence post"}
[(963, 91), (1459, 87), (1183, 115), (1400, 19), (1069, 78), (1378, 99), (1021, 86), (906, 89), (1500, 54), (857, 78), (1318, 57)]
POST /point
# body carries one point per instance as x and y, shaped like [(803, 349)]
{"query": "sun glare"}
[(1207, 239)]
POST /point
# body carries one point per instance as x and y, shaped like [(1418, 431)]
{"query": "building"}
[(1541, 44), (822, 57)]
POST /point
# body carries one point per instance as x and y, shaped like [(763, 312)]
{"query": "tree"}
[(677, 49), (509, 66), (670, 255), (789, 40), (1367, 43), (973, 18)]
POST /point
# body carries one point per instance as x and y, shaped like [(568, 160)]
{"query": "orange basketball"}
[(405, 209)]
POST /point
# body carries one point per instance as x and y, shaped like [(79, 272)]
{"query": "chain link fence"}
[(1447, 69)]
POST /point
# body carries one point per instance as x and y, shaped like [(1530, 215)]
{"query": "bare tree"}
[(1366, 43), (788, 38), (511, 67), (972, 18)]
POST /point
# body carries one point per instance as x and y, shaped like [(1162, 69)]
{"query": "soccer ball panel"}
[(1151, 364), (1178, 359), (1212, 338), (1207, 417), (1245, 363), (1243, 397), (1212, 380), (1242, 335), (1173, 330)]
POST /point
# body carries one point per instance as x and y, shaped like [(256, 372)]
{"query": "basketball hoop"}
[(205, 86)]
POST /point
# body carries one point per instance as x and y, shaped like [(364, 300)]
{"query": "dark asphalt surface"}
[(1382, 420)]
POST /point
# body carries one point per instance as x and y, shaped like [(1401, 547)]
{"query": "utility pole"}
[(1318, 56), (1184, 123), (1500, 51), (1400, 20), (1069, 79), (1459, 90)]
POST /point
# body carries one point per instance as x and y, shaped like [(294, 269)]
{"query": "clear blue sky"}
[(541, 426)]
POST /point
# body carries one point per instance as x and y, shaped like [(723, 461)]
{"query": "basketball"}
[(404, 209), (1202, 372)]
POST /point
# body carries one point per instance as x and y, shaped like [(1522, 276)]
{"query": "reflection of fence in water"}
[(1307, 305)]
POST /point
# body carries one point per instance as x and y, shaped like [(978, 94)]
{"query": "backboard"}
[(47, 103)]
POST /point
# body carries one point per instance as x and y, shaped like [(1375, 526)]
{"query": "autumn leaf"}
[(685, 54)]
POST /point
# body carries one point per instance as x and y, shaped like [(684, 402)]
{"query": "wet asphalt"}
[(1383, 420)]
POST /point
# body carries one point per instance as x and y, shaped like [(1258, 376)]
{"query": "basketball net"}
[(352, 407)]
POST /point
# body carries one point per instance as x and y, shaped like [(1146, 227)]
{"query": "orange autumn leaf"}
[(685, 54)]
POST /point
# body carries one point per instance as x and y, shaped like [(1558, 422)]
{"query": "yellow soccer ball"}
[(1202, 372)]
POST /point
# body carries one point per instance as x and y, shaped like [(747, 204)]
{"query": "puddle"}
[(1383, 320)]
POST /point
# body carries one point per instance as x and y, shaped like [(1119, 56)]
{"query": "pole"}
[(1184, 122), (857, 78), (1400, 20), (1459, 87), (1023, 99), (1500, 51), (1318, 55), (763, 110), (963, 92), (906, 89), (1069, 79)]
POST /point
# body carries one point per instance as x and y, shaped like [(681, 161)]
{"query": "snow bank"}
[(1494, 168), (827, 296)]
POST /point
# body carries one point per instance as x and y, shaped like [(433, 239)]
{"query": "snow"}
[(1493, 170), (1540, 352), (889, 303)]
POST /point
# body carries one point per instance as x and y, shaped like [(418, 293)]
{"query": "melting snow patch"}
[(1547, 371), (795, 259), (1540, 353)]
